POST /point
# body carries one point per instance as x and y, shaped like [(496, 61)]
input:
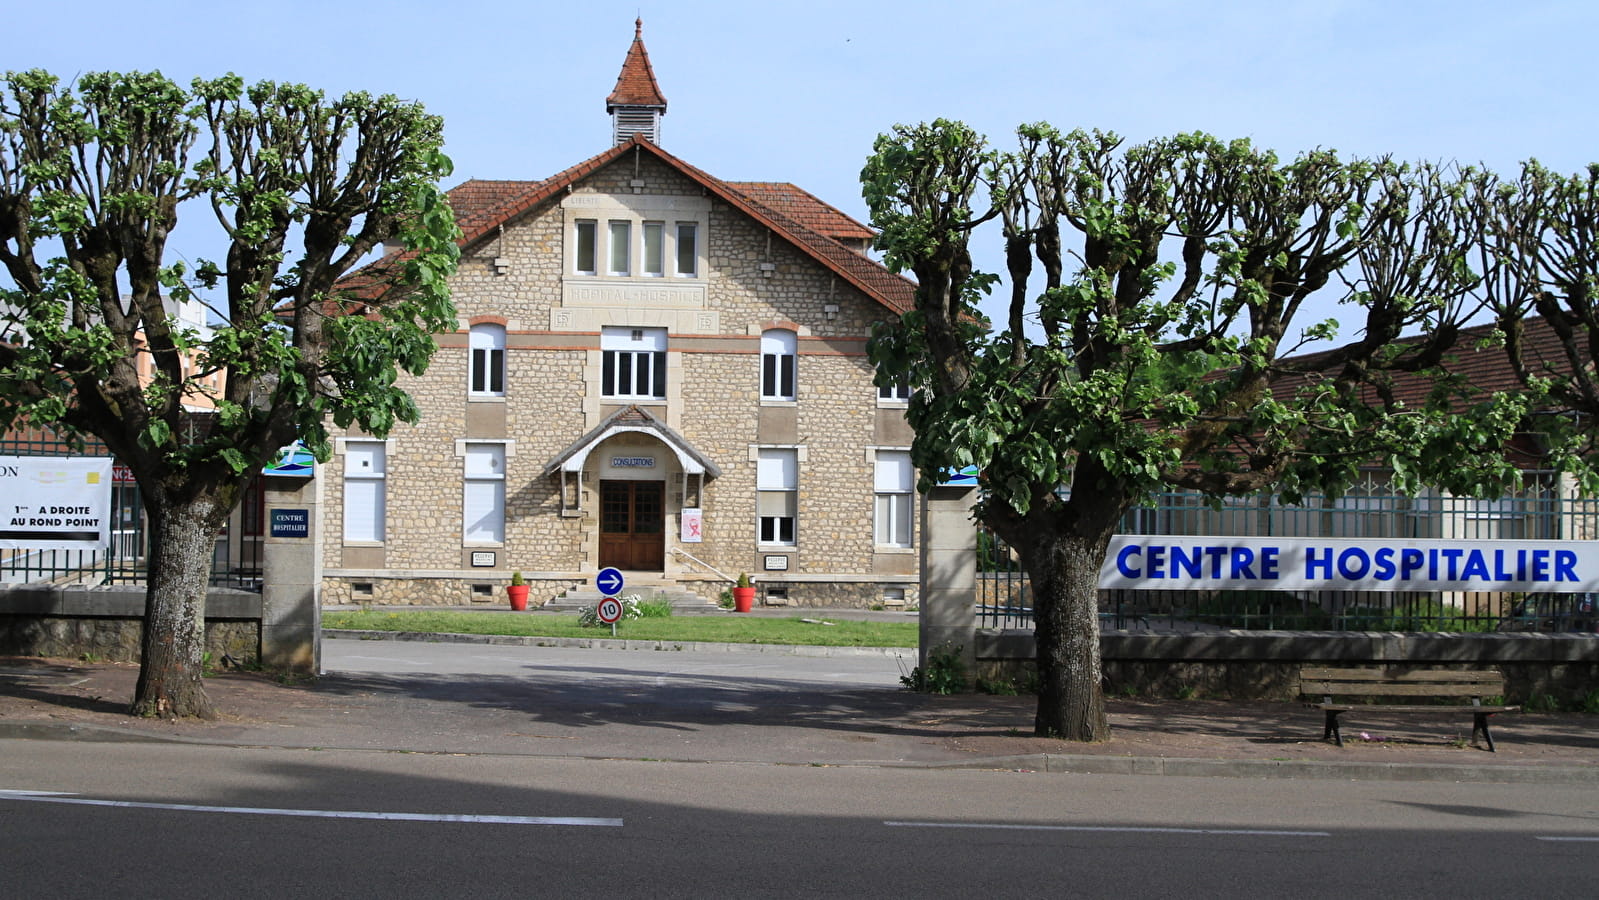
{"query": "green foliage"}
[(1542, 703), (633, 607), (1011, 686), (655, 608), (517, 579), (93, 179), (743, 580), (945, 672), (1590, 702)]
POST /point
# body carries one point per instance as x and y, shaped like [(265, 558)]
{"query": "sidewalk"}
[(67, 700)]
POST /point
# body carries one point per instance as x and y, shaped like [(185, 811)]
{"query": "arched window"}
[(488, 360), (778, 350)]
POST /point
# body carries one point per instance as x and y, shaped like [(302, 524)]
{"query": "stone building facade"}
[(655, 370)]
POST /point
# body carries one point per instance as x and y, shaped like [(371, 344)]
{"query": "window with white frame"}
[(688, 255), (620, 246), (633, 363), (897, 392), (365, 469), (488, 360), (894, 483), (778, 353), (777, 494), (588, 239), (484, 505), (654, 249)]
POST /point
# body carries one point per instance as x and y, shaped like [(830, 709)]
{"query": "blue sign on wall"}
[(290, 523)]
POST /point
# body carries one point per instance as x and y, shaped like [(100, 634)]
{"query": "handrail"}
[(724, 576)]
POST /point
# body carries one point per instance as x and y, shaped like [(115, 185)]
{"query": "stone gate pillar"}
[(291, 570), (949, 574)]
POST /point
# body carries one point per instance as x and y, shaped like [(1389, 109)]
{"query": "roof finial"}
[(638, 27)]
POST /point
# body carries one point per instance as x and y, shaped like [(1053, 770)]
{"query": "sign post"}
[(609, 581), (610, 612)]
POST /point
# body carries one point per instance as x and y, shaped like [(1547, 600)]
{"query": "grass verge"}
[(706, 629)]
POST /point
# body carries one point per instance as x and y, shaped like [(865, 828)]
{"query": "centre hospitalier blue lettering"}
[(1448, 564)]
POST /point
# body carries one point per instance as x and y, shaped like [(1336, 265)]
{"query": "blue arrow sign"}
[(609, 581)]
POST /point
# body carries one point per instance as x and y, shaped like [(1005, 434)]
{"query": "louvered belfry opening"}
[(631, 120)]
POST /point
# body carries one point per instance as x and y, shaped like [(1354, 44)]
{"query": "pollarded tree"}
[(1542, 263), (1165, 359), (92, 179)]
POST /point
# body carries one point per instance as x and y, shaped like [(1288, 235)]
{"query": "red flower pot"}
[(518, 595), (743, 599)]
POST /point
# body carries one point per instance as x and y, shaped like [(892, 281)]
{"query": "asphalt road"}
[(165, 820)]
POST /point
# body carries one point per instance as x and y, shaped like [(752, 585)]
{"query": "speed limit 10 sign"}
[(609, 611)]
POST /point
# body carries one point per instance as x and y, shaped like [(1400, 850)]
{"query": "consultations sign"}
[(1164, 562), (55, 503)]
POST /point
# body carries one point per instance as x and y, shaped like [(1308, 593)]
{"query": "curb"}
[(1052, 763), (616, 644), (1265, 768)]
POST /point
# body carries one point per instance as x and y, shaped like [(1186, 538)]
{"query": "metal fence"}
[(235, 559), (1371, 510)]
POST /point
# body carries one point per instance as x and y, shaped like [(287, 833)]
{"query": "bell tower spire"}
[(636, 105)]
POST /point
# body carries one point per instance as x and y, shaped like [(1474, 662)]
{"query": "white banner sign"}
[(1158, 562), (55, 502)]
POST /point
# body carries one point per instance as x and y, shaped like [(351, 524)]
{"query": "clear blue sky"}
[(796, 92)]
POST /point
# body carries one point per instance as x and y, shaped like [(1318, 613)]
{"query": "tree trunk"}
[(182, 536), (1063, 569)]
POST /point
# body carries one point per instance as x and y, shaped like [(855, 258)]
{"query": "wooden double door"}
[(633, 525)]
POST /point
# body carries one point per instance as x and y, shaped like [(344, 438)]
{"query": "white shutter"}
[(483, 504), (777, 470), (894, 472), (365, 464)]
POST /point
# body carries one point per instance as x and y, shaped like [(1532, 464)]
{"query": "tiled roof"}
[(475, 200), (636, 85), (1480, 362), (482, 206), (804, 208)]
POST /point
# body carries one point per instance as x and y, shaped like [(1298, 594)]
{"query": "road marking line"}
[(1572, 839), (1113, 828), (50, 797)]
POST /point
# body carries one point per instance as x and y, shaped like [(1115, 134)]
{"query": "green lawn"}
[(709, 629)]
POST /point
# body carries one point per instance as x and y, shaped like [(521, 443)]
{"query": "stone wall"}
[(107, 623), (403, 589), (1265, 665), (118, 640)]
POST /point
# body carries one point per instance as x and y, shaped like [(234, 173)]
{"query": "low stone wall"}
[(107, 623), (429, 590), (1265, 665)]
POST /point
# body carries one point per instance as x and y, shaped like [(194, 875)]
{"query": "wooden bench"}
[(1342, 690)]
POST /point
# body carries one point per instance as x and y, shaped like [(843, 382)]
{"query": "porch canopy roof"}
[(633, 419)]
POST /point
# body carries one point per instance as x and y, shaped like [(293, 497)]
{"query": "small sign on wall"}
[(776, 563), (291, 523), (693, 527), (483, 559)]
